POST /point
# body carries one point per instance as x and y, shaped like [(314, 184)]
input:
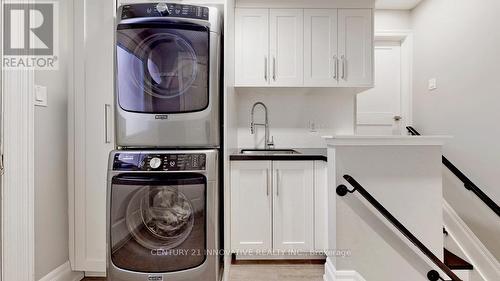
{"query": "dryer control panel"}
[(164, 10), (159, 162)]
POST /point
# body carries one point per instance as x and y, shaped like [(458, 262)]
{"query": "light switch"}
[(40, 95), (432, 84)]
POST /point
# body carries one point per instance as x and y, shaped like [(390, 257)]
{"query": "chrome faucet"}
[(268, 143)]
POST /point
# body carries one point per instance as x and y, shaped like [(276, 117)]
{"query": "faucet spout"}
[(268, 143)]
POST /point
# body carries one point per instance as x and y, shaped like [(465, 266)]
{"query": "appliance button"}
[(162, 7), (155, 162)]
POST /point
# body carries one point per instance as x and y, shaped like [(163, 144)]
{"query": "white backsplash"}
[(291, 110)]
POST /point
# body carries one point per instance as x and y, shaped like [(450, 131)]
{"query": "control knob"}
[(155, 162), (162, 7)]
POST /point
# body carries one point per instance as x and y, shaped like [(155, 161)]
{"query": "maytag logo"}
[(161, 117), (155, 278)]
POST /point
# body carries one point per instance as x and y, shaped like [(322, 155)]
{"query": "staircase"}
[(371, 209), (458, 265)]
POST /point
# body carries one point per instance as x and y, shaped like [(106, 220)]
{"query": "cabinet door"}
[(251, 205), (320, 48), (293, 227), (355, 47), (287, 47), (252, 47), (91, 108)]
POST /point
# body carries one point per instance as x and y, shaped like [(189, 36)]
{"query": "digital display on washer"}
[(127, 161), (159, 162), (164, 10)]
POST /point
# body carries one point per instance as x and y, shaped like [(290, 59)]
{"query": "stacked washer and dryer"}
[(163, 187)]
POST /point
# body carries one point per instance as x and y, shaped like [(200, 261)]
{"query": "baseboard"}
[(477, 254), (63, 273), (331, 274), (95, 274)]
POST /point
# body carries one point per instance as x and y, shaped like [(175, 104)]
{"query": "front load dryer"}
[(163, 216), (167, 76)]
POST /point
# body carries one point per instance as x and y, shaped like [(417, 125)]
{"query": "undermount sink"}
[(269, 151)]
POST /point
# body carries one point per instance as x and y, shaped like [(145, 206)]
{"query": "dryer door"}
[(158, 221), (162, 67)]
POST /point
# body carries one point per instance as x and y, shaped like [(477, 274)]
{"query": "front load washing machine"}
[(162, 221), (168, 75)]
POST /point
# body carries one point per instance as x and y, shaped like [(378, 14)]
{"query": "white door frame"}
[(17, 206), (406, 39)]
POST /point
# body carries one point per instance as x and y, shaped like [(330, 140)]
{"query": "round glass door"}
[(166, 216), (170, 67), (158, 221), (162, 68)]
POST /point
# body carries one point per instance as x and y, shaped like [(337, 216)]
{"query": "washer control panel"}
[(164, 10), (159, 162)]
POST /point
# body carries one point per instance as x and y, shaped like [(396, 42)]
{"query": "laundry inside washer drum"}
[(160, 217)]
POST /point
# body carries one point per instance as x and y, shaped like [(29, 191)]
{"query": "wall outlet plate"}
[(432, 84)]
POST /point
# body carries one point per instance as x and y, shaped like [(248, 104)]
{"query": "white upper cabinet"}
[(286, 46), (355, 47), (251, 197), (304, 47), (320, 48), (252, 47), (293, 205)]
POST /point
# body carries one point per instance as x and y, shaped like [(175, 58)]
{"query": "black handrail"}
[(432, 275), (468, 184)]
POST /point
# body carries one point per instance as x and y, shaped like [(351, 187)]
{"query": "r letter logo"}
[(30, 35)]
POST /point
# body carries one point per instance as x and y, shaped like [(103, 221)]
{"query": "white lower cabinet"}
[(293, 211), (273, 206), (251, 205)]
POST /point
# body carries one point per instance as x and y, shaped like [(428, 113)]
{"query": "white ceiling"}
[(397, 4)]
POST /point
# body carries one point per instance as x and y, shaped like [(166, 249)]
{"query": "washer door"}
[(162, 67), (158, 221)]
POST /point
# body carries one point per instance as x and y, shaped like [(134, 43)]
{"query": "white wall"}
[(407, 181), (291, 110), (51, 189), (392, 20), (458, 42)]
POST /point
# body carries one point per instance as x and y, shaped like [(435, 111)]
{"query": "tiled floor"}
[(299, 272)]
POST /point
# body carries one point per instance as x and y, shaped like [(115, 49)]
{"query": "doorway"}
[(385, 109)]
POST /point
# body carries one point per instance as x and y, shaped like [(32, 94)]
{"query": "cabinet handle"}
[(267, 182), (343, 66), (265, 68), (277, 182), (107, 115), (274, 68), (335, 67)]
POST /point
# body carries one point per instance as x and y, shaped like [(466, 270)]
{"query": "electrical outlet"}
[(432, 84), (312, 127)]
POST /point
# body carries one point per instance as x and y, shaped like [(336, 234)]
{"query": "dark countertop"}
[(305, 154)]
